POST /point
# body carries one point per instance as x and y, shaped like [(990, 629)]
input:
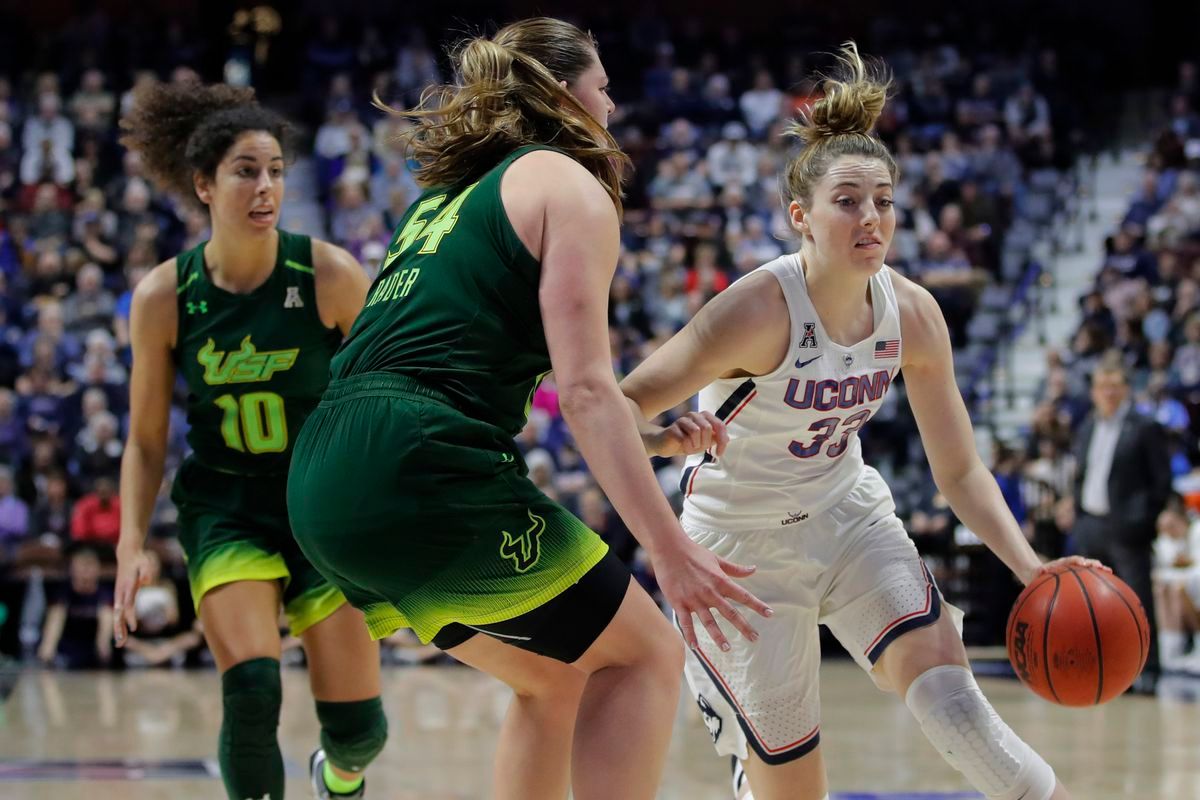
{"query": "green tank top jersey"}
[(455, 305), (255, 364)]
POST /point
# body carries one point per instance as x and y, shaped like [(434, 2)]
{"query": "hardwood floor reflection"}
[(96, 736)]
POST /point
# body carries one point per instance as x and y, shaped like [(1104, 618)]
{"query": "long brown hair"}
[(840, 124), (508, 95)]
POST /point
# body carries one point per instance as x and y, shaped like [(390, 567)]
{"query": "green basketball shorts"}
[(423, 516), (235, 528)]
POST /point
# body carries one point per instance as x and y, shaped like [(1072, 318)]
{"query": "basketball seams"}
[(1046, 640), (1087, 598), (1142, 655), (1015, 614)]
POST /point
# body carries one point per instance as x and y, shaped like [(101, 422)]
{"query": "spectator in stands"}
[(48, 140), (1123, 483), (1027, 115), (77, 633), (52, 513), (945, 271), (98, 448), (97, 516), (1177, 588), (14, 513), (762, 104), (14, 441), (93, 101), (90, 305), (732, 160)]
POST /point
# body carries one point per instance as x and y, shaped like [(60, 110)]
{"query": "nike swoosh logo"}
[(802, 364)]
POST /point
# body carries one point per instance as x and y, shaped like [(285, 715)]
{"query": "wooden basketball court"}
[(152, 734)]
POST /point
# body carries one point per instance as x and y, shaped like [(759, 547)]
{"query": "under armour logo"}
[(197, 308), (293, 299)]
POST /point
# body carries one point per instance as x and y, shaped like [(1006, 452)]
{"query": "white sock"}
[(1170, 645)]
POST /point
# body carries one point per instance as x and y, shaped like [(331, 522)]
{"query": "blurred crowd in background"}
[(700, 111)]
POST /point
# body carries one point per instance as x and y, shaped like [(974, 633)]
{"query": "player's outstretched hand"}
[(694, 432), (133, 572), (695, 581), (1060, 564)]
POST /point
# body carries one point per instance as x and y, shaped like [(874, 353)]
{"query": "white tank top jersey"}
[(794, 448)]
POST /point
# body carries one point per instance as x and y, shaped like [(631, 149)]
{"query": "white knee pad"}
[(965, 729)]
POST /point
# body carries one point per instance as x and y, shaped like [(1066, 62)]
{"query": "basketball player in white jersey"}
[(790, 363)]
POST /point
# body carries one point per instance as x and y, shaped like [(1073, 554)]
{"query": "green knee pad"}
[(251, 764), (352, 734)]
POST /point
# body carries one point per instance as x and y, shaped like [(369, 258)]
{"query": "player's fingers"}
[(740, 594), (688, 431), (714, 630), (735, 570), (688, 630), (123, 607), (736, 619), (720, 434), (119, 627)]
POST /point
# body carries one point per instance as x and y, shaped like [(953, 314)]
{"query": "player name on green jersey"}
[(455, 305)]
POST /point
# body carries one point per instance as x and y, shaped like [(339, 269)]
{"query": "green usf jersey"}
[(255, 364), (455, 305)]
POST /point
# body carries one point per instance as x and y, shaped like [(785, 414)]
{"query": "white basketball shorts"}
[(852, 568)]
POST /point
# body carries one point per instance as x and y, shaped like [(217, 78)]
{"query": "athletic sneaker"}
[(316, 771)]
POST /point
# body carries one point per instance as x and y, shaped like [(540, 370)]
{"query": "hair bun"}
[(484, 61), (854, 99)]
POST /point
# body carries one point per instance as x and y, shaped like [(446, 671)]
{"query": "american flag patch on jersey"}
[(887, 348)]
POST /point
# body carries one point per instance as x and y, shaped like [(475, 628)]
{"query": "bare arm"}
[(578, 249), (341, 285), (947, 435), (153, 322), (743, 331)]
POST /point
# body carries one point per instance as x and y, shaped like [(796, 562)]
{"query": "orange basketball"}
[(1078, 636)]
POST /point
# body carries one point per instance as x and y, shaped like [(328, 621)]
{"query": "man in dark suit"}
[(1123, 482)]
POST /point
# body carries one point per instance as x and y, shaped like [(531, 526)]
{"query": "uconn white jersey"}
[(794, 448)]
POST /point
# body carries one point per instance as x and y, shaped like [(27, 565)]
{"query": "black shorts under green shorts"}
[(424, 516), (235, 528)]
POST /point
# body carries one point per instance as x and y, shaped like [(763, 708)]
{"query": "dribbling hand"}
[(1060, 564), (133, 572), (695, 581)]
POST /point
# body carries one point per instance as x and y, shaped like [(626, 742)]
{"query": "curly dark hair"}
[(184, 128)]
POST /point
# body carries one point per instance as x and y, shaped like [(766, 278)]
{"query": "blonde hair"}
[(508, 95), (840, 124)]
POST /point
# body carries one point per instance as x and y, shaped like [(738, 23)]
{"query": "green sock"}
[(340, 785)]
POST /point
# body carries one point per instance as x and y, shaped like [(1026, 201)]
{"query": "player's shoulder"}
[(332, 263), (153, 309), (160, 286), (917, 307), (551, 175)]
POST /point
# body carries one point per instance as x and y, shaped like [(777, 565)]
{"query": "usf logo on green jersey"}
[(525, 548), (246, 365)]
